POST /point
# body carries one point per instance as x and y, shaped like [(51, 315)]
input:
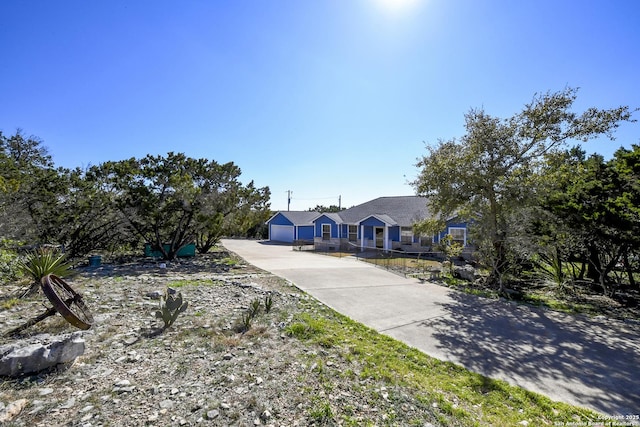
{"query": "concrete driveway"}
[(587, 362)]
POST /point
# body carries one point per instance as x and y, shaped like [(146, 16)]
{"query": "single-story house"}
[(385, 223)]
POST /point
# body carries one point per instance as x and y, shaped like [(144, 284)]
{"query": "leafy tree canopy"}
[(326, 209), (493, 171), (175, 200)]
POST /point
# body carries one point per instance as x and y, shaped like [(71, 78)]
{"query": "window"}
[(426, 241), (353, 233), (326, 231), (406, 235), (458, 235)]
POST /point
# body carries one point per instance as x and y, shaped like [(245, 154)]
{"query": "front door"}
[(379, 232)]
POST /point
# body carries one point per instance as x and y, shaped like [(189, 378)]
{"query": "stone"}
[(166, 404), (68, 404), (17, 359), (12, 410), (213, 414), (466, 272), (154, 294), (45, 391)]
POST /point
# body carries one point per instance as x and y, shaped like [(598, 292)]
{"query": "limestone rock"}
[(466, 272), (12, 410), (23, 358)]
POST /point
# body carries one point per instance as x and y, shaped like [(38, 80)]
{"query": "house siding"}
[(394, 234), (305, 232), (325, 220), (280, 219), (449, 225), (372, 222)]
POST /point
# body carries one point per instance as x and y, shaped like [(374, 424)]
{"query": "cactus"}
[(171, 305)]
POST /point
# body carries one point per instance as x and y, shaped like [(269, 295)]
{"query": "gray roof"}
[(403, 210), (298, 217), (398, 210)]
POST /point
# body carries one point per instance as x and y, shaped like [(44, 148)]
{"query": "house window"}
[(353, 233), (406, 235), (426, 241), (459, 235), (326, 231)]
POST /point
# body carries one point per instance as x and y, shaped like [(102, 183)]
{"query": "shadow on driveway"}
[(594, 362)]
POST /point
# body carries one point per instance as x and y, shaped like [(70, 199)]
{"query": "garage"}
[(281, 233), (289, 226)]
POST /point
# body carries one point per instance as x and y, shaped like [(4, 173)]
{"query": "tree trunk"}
[(629, 271), (594, 269)]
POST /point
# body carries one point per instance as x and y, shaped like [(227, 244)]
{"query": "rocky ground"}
[(204, 369)]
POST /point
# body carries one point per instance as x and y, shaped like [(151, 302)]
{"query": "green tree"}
[(29, 181), (175, 200), (492, 173), (324, 209), (233, 214), (85, 218), (600, 203)]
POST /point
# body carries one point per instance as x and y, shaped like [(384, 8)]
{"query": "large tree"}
[(28, 181), (599, 202), (491, 173), (176, 200)]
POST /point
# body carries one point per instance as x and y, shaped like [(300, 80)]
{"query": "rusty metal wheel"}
[(66, 301)]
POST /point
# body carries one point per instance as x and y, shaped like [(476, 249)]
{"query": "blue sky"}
[(325, 98)]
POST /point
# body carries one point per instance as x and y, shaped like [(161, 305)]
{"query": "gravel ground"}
[(202, 370)]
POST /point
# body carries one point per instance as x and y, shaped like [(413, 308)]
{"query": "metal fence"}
[(409, 264)]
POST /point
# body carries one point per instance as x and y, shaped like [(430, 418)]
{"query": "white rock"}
[(16, 360), (45, 391), (12, 410), (166, 404)]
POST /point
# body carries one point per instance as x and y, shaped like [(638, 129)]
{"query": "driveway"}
[(587, 362)]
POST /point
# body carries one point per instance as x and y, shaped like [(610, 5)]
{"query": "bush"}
[(9, 265), (9, 262)]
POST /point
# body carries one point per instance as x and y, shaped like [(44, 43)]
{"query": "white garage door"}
[(282, 233)]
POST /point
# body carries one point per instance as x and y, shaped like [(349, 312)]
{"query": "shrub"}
[(9, 265)]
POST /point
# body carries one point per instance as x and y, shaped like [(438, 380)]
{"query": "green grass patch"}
[(9, 303), (453, 394), (182, 283), (229, 261), (565, 305)]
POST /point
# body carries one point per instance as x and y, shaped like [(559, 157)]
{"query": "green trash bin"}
[(95, 261)]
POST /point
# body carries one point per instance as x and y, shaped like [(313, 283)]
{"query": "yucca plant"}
[(268, 303), (41, 262)]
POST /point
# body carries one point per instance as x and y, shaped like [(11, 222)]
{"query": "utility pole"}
[(339, 203), (289, 193)]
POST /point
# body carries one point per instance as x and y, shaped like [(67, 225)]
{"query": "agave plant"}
[(41, 262)]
